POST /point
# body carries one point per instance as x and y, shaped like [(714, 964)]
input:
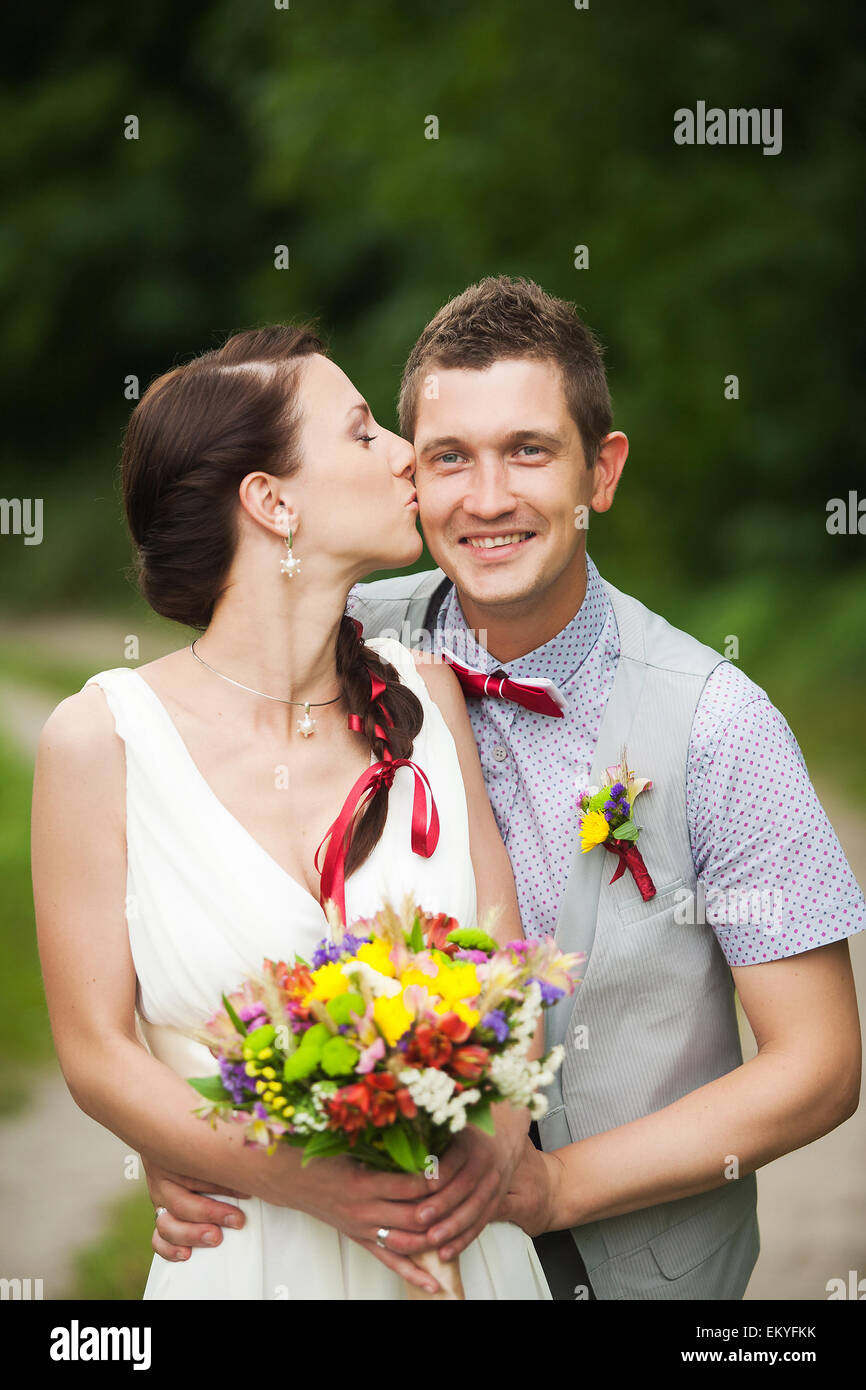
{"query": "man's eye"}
[(534, 447)]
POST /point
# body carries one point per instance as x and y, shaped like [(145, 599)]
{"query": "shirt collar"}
[(558, 660)]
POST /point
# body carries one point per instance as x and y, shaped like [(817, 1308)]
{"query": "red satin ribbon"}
[(425, 829), (504, 688), (631, 858)]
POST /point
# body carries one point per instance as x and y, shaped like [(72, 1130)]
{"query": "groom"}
[(643, 1186)]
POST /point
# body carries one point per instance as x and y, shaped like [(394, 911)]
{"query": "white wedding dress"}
[(206, 904)]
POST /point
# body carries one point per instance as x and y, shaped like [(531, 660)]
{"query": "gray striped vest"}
[(654, 1017)]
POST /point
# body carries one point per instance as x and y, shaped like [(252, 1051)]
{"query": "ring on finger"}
[(158, 1213), (382, 1235)]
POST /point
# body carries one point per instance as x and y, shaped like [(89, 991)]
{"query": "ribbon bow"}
[(425, 826), (541, 696)]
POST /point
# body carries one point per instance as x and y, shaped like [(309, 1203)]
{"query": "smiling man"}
[(643, 1186), (656, 1127)]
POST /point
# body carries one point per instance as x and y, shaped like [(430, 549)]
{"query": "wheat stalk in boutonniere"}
[(607, 818)]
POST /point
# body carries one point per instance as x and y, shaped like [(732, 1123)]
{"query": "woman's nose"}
[(403, 461)]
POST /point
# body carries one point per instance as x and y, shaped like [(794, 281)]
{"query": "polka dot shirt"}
[(771, 872)]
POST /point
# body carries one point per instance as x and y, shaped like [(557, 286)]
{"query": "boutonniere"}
[(607, 818)]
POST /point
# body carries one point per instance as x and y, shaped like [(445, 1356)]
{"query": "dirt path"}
[(812, 1203), (54, 1191)]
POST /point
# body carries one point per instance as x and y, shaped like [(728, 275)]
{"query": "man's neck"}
[(511, 631)]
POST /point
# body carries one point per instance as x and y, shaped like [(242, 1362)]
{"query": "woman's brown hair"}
[(194, 435)]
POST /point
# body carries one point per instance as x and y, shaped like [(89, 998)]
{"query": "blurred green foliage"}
[(305, 127)]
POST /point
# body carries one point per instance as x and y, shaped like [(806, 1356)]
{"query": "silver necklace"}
[(306, 726)]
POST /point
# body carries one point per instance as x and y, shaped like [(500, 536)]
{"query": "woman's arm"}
[(79, 880)]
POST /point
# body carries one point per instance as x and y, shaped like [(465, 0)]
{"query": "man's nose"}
[(489, 493)]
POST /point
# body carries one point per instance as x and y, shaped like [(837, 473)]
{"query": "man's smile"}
[(501, 542)]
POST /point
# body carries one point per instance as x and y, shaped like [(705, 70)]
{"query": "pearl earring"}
[(290, 564)]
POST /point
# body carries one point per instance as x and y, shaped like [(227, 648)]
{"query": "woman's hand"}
[(343, 1194)]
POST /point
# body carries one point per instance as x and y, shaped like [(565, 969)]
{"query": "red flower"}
[(454, 1027), (349, 1108), (436, 933), (428, 1047), (470, 1061), (388, 1099), (294, 980)]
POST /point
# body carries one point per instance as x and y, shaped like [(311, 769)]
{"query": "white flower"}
[(378, 983)]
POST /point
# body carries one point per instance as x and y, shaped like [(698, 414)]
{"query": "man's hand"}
[(474, 1177), (530, 1201)]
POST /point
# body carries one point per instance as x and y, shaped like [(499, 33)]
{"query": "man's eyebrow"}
[(449, 441), (534, 436), (522, 436)]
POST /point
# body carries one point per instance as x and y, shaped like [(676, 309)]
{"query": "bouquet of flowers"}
[(608, 819), (400, 1031)]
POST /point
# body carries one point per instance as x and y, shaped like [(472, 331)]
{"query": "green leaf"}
[(324, 1145), (211, 1087), (628, 831), (480, 1116), (235, 1018), (416, 939), (420, 1150), (397, 1144)]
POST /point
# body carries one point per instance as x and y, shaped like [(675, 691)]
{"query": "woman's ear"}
[(259, 495)]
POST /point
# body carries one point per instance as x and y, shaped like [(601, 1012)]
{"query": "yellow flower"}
[(376, 954), (392, 1016), (457, 982), (594, 830), (328, 980), (417, 977)]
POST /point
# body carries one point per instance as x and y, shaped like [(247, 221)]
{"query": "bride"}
[(178, 806)]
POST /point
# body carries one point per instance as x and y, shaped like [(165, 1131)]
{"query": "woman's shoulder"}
[(80, 731)]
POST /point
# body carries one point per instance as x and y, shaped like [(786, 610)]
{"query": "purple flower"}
[(329, 951), (497, 1023), (610, 809), (549, 993), (259, 1111), (476, 957), (239, 1086), (625, 808), (617, 790)]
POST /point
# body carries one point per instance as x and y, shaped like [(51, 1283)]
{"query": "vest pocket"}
[(684, 1246), (634, 909)]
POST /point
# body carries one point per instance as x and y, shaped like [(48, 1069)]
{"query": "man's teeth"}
[(490, 542)]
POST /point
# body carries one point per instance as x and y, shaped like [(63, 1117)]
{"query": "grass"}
[(25, 1033), (116, 1265)]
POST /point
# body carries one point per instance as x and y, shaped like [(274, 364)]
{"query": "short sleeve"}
[(771, 871)]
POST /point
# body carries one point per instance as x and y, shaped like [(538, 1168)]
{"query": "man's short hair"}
[(503, 318)]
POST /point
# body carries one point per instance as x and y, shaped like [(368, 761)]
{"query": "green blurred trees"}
[(305, 127)]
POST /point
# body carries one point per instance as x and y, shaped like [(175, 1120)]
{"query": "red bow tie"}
[(541, 696)]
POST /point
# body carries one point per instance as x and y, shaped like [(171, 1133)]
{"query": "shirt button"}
[(500, 752)]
